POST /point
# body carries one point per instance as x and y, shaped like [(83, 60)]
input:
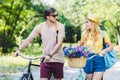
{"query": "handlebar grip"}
[(17, 54), (42, 59)]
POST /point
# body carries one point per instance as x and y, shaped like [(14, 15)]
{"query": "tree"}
[(69, 33), (107, 10), (10, 16), (15, 17)]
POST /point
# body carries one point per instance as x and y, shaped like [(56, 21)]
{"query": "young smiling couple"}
[(53, 33)]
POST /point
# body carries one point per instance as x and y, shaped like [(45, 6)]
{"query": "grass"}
[(118, 55), (10, 64)]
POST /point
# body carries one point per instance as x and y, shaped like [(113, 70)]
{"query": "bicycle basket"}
[(77, 62)]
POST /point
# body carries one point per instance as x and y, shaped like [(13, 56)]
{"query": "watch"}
[(50, 55)]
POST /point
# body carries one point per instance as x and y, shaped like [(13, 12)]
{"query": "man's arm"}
[(55, 49), (61, 35), (29, 39), (57, 46)]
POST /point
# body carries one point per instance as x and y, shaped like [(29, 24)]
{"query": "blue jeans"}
[(95, 64)]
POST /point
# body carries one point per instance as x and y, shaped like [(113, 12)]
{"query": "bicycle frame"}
[(29, 66), (28, 74)]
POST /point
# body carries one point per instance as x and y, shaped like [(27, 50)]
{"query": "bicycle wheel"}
[(26, 77)]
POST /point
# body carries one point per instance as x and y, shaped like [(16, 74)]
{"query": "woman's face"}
[(88, 24)]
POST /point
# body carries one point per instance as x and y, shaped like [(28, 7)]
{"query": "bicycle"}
[(28, 75), (82, 75)]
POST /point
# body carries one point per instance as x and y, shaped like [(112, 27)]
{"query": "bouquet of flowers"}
[(77, 56), (77, 52)]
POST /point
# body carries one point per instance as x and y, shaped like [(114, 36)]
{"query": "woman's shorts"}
[(95, 64), (49, 68)]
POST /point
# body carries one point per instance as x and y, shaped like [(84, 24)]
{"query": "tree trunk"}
[(118, 35), (4, 50), (119, 40)]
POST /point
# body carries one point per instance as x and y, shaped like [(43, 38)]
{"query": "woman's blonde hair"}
[(92, 33)]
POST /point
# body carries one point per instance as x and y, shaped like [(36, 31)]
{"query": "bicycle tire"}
[(26, 77)]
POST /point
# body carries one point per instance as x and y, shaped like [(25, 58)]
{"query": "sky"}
[(48, 1)]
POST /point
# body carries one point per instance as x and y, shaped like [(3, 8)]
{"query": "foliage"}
[(18, 18), (5, 40), (69, 33), (107, 10), (15, 18), (77, 34)]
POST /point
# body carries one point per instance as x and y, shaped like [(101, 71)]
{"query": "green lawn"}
[(118, 55), (10, 64)]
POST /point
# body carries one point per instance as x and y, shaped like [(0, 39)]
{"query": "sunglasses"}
[(54, 15), (86, 21)]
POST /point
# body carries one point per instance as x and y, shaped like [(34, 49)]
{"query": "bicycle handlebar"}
[(41, 58), (30, 58)]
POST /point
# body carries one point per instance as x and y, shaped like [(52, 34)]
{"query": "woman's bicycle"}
[(28, 75)]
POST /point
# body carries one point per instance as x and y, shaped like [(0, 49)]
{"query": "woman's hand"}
[(79, 43), (102, 53)]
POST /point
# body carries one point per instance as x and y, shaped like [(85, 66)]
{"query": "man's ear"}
[(47, 17)]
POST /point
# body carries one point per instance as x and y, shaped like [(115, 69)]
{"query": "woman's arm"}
[(104, 51), (107, 40), (80, 43)]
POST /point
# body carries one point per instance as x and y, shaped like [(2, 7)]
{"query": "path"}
[(71, 73)]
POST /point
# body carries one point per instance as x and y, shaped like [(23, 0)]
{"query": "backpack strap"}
[(57, 30), (103, 36), (56, 25), (39, 29), (103, 33)]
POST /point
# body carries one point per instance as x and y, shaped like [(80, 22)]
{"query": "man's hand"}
[(17, 53), (47, 58)]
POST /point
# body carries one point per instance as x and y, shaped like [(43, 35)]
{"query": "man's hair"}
[(48, 11)]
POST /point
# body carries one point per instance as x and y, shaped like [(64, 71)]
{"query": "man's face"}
[(52, 17)]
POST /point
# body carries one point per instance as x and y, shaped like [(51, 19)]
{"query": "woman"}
[(92, 37)]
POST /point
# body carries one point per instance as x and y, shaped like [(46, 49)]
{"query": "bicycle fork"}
[(29, 74)]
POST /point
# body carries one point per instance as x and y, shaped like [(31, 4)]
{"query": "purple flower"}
[(77, 52)]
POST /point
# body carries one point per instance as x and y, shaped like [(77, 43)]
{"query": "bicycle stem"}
[(29, 66)]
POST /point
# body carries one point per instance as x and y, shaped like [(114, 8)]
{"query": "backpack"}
[(110, 57), (57, 30)]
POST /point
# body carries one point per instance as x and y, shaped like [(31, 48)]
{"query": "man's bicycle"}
[(28, 75)]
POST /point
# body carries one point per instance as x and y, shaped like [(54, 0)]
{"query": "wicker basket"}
[(77, 62)]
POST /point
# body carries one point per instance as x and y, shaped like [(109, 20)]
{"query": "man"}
[(52, 35)]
